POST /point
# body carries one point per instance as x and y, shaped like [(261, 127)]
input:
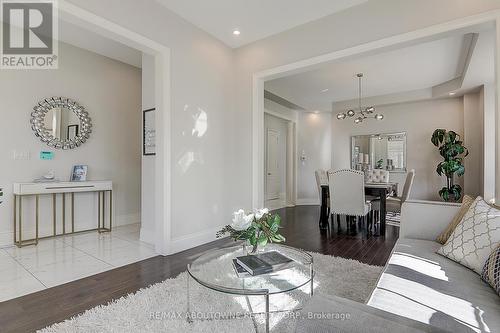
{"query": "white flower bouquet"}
[(258, 228)]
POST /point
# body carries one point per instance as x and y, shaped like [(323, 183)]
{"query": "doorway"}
[(280, 155), (274, 164), (161, 55)]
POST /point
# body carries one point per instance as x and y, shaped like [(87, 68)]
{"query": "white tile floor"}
[(55, 261)]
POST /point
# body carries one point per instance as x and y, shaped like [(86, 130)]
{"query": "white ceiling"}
[(256, 19), (407, 69)]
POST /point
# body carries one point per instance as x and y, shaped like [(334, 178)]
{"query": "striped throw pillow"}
[(491, 270)]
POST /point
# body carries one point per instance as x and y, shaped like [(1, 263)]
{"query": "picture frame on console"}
[(79, 173)]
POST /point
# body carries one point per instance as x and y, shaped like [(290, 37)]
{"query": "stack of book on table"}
[(258, 264)]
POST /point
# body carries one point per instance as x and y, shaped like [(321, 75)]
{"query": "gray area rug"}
[(162, 307)]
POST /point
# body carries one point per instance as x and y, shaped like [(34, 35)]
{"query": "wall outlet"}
[(303, 157), (21, 155)]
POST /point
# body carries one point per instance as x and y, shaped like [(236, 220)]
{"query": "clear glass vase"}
[(250, 249)]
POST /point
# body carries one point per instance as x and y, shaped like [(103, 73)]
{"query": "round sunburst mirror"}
[(61, 122)]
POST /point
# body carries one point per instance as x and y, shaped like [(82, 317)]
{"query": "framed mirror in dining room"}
[(379, 151)]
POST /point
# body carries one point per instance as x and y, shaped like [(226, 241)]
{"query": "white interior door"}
[(272, 165)]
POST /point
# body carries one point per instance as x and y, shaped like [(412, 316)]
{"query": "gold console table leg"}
[(20, 219), (101, 224), (54, 216), (103, 209), (37, 219), (18, 216), (99, 211), (72, 212), (15, 219), (110, 209), (64, 213)]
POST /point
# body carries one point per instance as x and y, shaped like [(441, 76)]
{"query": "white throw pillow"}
[(475, 237)]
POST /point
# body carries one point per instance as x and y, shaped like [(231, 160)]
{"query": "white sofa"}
[(419, 290)]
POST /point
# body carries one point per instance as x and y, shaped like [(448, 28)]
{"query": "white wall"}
[(111, 92), (148, 162), (281, 127), (473, 139), (488, 93), (314, 137), (205, 172), (418, 120)]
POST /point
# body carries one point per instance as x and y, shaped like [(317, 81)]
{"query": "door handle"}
[(268, 173)]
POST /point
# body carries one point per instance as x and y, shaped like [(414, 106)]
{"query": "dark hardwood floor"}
[(300, 227)]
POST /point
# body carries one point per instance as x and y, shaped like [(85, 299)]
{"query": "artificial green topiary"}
[(451, 148)]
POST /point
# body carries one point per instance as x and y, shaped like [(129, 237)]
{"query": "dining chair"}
[(377, 176), (347, 196), (394, 203), (322, 180)]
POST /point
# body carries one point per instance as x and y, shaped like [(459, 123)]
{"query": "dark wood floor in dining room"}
[(300, 227)]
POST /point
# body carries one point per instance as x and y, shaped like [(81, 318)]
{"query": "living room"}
[(183, 170)]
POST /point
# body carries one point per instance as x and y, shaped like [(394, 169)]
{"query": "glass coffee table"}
[(214, 270)]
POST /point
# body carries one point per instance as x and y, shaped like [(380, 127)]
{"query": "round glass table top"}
[(214, 269)]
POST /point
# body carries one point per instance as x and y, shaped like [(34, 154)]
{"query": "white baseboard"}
[(189, 241), (147, 235), (127, 219), (275, 204), (307, 202)]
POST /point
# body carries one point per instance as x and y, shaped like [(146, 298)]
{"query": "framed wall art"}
[(148, 132)]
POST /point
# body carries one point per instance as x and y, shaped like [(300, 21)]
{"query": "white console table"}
[(22, 190)]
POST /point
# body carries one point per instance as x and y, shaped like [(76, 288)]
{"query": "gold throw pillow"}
[(466, 202)]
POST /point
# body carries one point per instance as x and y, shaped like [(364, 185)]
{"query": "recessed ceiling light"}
[(316, 112), (452, 93), (325, 90), (236, 32)]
